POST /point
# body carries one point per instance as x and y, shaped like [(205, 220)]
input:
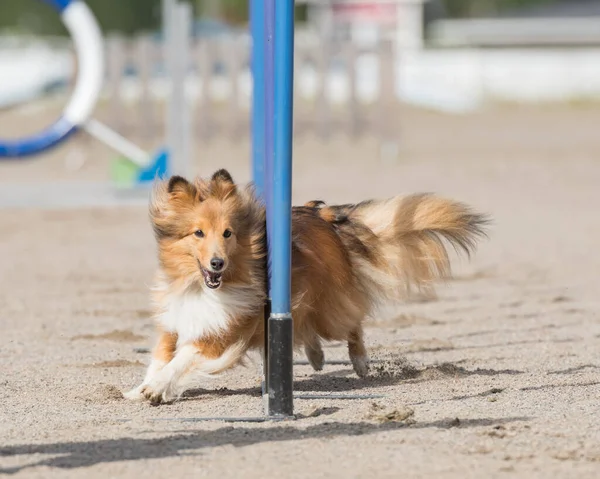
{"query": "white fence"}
[(337, 89)]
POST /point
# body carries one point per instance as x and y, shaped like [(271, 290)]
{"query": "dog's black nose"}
[(217, 264)]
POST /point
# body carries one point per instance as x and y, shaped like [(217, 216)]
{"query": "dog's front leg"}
[(163, 353), (162, 387), (136, 393)]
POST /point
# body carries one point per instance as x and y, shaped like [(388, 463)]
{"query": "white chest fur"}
[(197, 314)]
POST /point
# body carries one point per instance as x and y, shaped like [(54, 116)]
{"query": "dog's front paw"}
[(135, 394), (155, 396)]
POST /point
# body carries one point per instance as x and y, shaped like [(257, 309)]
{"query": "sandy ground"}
[(498, 377)]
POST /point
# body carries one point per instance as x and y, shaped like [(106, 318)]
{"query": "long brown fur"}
[(346, 261)]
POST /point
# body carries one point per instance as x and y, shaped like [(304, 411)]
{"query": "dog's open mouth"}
[(211, 279)]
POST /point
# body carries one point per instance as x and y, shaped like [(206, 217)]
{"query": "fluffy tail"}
[(399, 245)]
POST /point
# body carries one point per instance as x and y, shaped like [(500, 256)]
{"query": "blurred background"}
[(380, 73)]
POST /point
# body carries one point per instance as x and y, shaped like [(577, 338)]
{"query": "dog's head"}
[(201, 226)]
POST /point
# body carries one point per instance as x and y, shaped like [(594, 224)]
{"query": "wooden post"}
[(179, 118), (322, 110), (298, 113), (350, 56), (204, 54), (115, 66), (233, 57), (144, 59), (387, 102)]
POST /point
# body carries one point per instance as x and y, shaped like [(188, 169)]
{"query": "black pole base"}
[(266, 316), (280, 364)]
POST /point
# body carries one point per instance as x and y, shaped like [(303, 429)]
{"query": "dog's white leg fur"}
[(162, 385), (202, 368), (136, 393)]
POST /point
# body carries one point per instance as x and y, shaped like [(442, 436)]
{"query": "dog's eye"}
[(199, 234), (227, 233)]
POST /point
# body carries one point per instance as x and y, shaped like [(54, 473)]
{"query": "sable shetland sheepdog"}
[(346, 260)]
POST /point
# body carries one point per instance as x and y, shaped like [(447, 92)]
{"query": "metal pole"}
[(257, 22), (269, 99), (280, 369), (269, 86)]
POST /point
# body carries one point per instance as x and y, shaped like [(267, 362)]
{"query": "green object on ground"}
[(124, 172)]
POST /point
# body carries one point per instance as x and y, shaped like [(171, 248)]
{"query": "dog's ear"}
[(315, 204), (181, 190), (168, 201), (176, 182), (222, 185), (179, 185), (222, 175)]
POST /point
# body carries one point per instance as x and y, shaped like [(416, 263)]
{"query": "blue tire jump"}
[(87, 38)]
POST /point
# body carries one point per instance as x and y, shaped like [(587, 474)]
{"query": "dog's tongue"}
[(212, 279)]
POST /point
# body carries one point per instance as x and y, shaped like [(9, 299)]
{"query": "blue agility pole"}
[(258, 132), (257, 23), (272, 24), (269, 97), (279, 208)]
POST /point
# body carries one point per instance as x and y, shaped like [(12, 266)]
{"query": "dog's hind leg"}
[(314, 354), (358, 352)]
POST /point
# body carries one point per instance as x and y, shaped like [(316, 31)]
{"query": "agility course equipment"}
[(272, 136), (272, 123), (87, 37), (135, 166)]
